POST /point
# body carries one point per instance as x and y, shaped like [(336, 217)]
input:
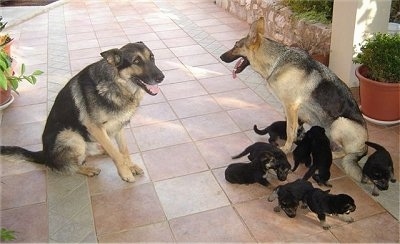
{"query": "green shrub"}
[(381, 54), (311, 10)]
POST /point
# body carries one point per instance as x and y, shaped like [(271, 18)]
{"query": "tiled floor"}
[(183, 138)]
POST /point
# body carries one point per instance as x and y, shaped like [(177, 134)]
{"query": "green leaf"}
[(37, 72), (22, 69), (3, 81), (7, 235)]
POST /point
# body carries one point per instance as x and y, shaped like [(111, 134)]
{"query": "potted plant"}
[(8, 79), (379, 77)]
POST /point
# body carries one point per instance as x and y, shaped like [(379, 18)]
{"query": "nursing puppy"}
[(277, 130), (289, 196), (378, 168), (323, 203), (269, 156), (316, 143)]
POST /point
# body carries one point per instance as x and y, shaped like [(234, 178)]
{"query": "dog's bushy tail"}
[(260, 132), (375, 146), (36, 157)]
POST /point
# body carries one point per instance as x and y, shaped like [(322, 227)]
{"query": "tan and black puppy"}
[(323, 203), (290, 195), (269, 156), (379, 169)]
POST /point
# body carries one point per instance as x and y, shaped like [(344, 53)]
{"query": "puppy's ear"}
[(269, 160), (112, 56), (256, 33)]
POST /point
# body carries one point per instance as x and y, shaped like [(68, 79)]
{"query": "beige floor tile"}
[(190, 194), (170, 162), (195, 106)]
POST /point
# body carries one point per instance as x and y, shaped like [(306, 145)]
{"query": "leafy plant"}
[(381, 54), (311, 10), (8, 77), (7, 235)]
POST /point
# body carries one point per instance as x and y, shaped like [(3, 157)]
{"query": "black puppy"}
[(317, 143), (246, 173), (289, 196), (269, 156), (323, 203), (378, 168), (277, 130)]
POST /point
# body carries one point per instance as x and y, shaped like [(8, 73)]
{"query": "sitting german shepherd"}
[(93, 107), (308, 90)]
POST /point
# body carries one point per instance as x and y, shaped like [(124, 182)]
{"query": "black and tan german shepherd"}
[(92, 109), (308, 91)]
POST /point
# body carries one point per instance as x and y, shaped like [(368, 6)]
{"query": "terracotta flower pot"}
[(379, 100), (5, 96)]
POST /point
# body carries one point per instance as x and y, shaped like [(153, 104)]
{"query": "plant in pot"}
[(379, 77), (8, 79)]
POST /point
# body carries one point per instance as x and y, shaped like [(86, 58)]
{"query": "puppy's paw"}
[(346, 218), (277, 209), (393, 180), (326, 226)]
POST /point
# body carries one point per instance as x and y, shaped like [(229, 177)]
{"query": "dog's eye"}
[(137, 60)]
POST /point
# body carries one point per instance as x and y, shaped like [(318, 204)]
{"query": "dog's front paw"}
[(136, 170), (126, 174)]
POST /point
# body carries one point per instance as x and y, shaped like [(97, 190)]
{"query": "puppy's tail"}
[(375, 146), (22, 153), (245, 152), (260, 132)]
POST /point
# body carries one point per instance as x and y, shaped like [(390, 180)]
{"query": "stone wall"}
[(281, 25)]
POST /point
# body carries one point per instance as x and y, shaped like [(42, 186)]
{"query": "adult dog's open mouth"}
[(150, 89), (240, 65)]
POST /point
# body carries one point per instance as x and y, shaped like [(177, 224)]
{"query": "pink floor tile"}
[(219, 225), (158, 232), (125, 209), (23, 189)]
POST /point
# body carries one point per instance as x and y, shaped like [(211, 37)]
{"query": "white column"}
[(352, 21)]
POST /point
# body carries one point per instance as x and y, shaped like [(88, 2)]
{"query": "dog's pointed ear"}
[(112, 56), (257, 30)]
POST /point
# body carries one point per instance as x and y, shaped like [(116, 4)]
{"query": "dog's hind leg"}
[(70, 149), (123, 148), (351, 136)]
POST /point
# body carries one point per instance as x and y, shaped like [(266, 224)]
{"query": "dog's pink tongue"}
[(238, 63), (153, 88)]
